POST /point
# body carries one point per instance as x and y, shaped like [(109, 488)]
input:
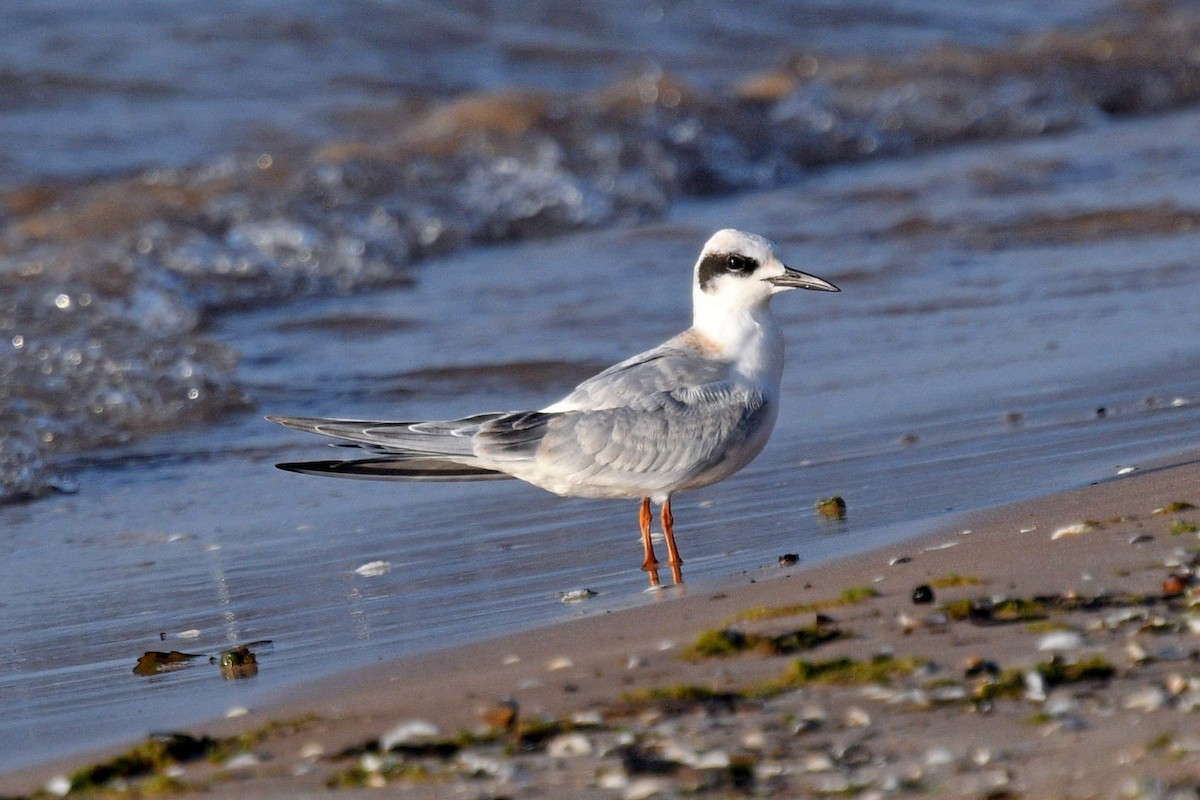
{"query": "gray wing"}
[(437, 437), (667, 437), (666, 368)]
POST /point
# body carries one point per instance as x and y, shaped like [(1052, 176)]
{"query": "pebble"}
[(1060, 640), (816, 762), (789, 559), (590, 718), (938, 757), (1035, 686), (982, 756), (312, 750), (562, 662), (59, 786), (1148, 699), (576, 595), (1060, 704), (754, 740), (373, 569), (856, 717), (412, 730), (243, 761), (922, 594), (1074, 529), (236, 711), (569, 745), (646, 788), (1141, 538), (473, 763), (900, 560), (613, 779)]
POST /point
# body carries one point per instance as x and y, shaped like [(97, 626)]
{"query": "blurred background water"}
[(209, 211)]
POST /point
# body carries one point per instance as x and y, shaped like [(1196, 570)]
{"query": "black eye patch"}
[(715, 264)]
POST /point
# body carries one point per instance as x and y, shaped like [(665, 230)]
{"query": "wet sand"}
[(1058, 657)]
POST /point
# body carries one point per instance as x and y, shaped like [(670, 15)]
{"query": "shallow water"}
[(997, 296)]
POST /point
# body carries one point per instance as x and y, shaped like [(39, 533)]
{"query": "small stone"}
[(1060, 640), (816, 762), (373, 569), (938, 757), (312, 750), (589, 718), (614, 779), (813, 716), (1148, 699), (477, 764), (1141, 538), (712, 759), (59, 786), (236, 711), (1073, 529), (923, 594), (1137, 654), (1035, 686), (243, 761), (789, 559), (577, 595), (1060, 704), (754, 740), (900, 560), (948, 694), (646, 788), (569, 745), (562, 662), (1177, 684), (1174, 585), (412, 730), (856, 717)]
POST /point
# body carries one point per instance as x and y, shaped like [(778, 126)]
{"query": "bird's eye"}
[(737, 263)]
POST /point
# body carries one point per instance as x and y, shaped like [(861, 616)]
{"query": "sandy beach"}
[(1053, 653)]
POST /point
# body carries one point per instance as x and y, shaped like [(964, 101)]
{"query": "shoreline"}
[(600, 687)]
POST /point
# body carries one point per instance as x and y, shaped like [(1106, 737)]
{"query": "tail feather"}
[(417, 451), (394, 469)]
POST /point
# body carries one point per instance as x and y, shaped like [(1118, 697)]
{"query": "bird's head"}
[(740, 271)]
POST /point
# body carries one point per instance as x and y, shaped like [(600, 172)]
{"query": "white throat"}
[(746, 335)]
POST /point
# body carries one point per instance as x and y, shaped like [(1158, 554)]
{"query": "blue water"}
[(1000, 288)]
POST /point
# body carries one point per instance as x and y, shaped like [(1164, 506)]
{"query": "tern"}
[(680, 416)]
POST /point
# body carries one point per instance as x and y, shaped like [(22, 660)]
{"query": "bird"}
[(680, 416)]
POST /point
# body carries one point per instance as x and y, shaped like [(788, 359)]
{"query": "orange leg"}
[(650, 563), (668, 525)]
